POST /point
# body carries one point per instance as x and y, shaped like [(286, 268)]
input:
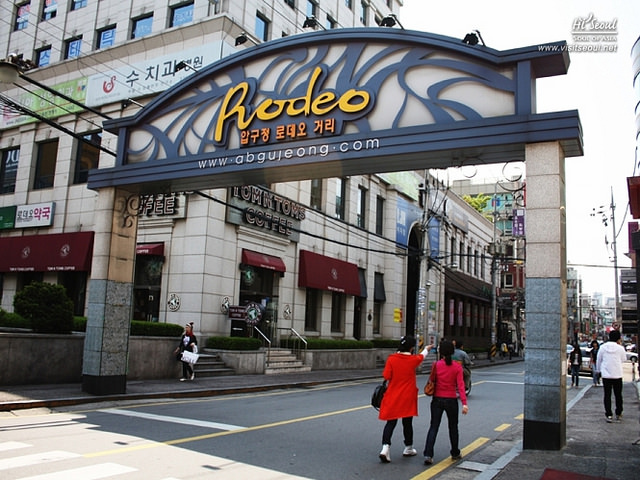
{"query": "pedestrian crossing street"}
[(24, 460), (18, 461)]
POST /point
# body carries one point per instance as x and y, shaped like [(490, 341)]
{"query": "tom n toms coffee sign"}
[(259, 208)]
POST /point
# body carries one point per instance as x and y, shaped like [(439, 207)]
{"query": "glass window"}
[(364, 12), (291, 3), (43, 56), (106, 37), (49, 9), (72, 48), (330, 23), (361, 219), (76, 4), (316, 194), (22, 15), (142, 26), (379, 215), (338, 307), (341, 192), (348, 3), (181, 14), (311, 309), (9, 170), (87, 157), (45, 165), (262, 28), (312, 8)]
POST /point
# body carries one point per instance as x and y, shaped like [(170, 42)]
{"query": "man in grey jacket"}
[(609, 363)]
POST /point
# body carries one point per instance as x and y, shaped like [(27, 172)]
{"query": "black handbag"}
[(378, 393)]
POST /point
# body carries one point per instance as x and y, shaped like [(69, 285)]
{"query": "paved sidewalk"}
[(595, 449)]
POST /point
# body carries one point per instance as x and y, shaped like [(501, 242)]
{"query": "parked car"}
[(632, 357), (586, 356)]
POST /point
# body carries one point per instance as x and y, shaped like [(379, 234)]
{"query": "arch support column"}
[(106, 345), (546, 299)]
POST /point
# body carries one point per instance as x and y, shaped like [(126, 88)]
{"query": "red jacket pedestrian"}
[(401, 398)]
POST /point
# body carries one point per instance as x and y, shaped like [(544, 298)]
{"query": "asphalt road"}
[(324, 432)]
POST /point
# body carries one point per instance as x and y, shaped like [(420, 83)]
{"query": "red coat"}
[(401, 397)]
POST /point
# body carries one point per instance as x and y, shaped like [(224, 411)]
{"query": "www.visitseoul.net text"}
[(580, 47)]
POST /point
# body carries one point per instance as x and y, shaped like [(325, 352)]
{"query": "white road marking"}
[(35, 459), (93, 472), (5, 446), (180, 420)]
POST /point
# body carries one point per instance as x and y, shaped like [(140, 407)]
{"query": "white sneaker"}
[(385, 455), (409, 451), (193, 375)]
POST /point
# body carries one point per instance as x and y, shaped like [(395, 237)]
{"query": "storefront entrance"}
[(259, 286)]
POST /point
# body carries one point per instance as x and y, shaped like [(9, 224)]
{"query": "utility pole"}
[(614, 242), (493, 251), (605, 220), (422, 297)]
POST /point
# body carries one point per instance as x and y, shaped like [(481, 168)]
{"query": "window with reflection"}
[(142, 26), (9, 170), (49, 9), (181, 14), (47, 156), (87, 156)]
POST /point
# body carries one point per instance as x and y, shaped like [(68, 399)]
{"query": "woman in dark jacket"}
[(575, 360), (188, 342), (401, 398)]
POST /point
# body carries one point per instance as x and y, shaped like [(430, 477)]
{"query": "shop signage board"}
[(339, 103)]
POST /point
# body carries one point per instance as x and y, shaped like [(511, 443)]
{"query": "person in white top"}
[(611, 355)]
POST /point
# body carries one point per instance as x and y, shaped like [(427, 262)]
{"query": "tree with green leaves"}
[(46, 307)]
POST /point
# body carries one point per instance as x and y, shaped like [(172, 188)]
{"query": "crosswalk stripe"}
[(35, 459), (6, 446), (93, 472), (164, 418)]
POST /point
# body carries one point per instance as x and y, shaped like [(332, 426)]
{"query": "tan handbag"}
[(430, 387)]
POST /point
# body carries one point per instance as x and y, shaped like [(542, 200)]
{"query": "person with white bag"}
[(188, 343)]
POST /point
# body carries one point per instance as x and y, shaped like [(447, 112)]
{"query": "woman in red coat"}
[(401, 398)]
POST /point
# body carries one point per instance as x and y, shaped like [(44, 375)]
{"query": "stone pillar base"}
[(544, 435), (104, 385)]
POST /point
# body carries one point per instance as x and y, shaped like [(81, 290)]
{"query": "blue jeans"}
[(440, 405), (575, 374)]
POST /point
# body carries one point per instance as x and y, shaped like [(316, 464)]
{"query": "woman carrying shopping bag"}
[(189, 343)]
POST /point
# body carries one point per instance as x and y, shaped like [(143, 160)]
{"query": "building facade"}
[(505, 206), (338, 257)]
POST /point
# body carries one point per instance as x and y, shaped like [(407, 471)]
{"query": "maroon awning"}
[(262, 260), (150, 249), (46, 253), (326, 273)]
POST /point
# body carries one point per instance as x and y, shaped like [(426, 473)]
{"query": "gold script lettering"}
[(352, 101)]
